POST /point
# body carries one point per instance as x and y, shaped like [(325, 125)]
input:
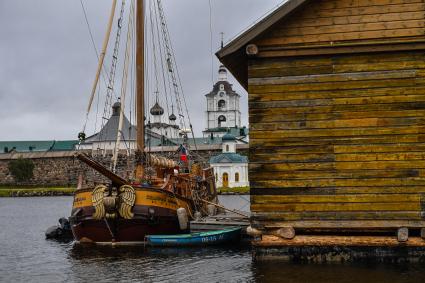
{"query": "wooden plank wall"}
[(338, 141), (324, 21)]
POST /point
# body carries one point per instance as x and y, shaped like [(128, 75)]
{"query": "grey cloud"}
[(47, 62)]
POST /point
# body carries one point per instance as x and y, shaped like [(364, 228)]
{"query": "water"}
[(25, 256)]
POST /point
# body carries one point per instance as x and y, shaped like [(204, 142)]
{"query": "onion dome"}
[(172, 117), (157, 110), (228, 137), (116, 109)]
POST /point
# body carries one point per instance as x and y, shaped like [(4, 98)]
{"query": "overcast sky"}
[(47, 61)]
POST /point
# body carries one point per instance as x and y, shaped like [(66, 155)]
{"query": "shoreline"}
[(35, 192), (57, 192), (233, 193)]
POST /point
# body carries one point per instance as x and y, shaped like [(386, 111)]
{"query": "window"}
[(221, 121), (236, 177), (216, 177), (221, 104), (221, 87), (227, 148)]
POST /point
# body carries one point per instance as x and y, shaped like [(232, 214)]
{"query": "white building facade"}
[(223, 109), (230, 168)]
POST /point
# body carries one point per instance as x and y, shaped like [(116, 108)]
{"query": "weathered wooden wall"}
[(337, 141), (323, 21)]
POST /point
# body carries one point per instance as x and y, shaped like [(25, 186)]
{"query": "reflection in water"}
[(26, 256), (163, 265), (271, 272)]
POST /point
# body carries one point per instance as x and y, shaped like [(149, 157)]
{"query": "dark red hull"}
[(86, 229)]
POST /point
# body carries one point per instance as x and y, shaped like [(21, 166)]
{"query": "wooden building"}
[(336, 111)]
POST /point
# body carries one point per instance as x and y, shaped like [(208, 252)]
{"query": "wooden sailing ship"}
[(124, 211)]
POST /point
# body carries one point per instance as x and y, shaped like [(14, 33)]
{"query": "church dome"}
[(228, 137), (172, 117), (157, 110)]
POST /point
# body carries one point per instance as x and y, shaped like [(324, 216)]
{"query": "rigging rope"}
[(155, 61), (166, 93), (93, 42), (211, 43), (171, 63), (110, 89), (82, 135), (123, 89)]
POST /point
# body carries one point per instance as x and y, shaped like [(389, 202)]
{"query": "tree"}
[(21, 169)]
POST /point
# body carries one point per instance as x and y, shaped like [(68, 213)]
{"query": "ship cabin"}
[(336, 112)]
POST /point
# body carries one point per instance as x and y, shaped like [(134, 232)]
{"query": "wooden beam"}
[(115, 179), (335, 48), (346, 241), (402, 234), (285, 233), (251, 50), (357, 225)]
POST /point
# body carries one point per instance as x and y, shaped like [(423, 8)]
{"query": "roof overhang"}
[(233, 54)]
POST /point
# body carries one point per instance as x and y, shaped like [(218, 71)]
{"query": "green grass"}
[(7, 191), (237, 190)]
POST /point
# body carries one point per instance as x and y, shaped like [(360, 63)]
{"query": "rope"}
[(172, 66), (109, 92), (211, 43), (99, 68), (155, 61), (93, 42), (161, 55), (123, 88)]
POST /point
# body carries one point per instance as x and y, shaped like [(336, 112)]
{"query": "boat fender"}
[(183, 218), (212, 210), (64, 224), (151, 213), (53, 232)]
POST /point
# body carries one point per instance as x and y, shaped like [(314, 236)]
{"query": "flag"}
[(183, 153)]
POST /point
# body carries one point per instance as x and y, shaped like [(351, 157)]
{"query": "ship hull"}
[(155, 212)]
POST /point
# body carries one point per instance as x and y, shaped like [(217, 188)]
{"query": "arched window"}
[(236, 177), (221, 121), (227, 148), (222, 105)]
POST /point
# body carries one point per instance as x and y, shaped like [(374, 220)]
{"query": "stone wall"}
[(62, 168)]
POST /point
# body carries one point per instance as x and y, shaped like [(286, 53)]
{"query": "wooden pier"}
[(321, 249)]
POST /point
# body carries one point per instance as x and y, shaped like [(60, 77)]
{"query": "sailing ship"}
[(126, 211)]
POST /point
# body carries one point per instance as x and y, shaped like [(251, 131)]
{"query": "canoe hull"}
[(221, 237)]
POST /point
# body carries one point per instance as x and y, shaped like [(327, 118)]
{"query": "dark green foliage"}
[(21, 169)]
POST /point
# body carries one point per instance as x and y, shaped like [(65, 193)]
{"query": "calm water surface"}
[(25, 256)]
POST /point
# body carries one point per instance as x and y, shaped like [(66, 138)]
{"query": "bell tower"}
[(223, 110)]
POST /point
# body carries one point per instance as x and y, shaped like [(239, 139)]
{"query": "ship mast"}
[(140, 79)]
